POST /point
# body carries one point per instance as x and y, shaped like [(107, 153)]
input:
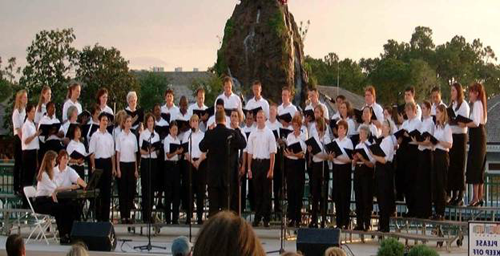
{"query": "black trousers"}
[(172, 191), (384, 177), (342, 193), (278, 182), (439, 180), (400, 171), (295, 179), (456, 171), (319, 173), (30, 165), (423, 199), (217, 199), (363, 190), (184, 194), (199, 188), (412, 169), (103, 206), (18, 167), (63, 212), (148, 176), (262, 189)]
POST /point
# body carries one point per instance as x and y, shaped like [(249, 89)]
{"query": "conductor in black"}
[(215, 144)]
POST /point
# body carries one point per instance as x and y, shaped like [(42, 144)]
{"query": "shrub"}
[(422, 250), (391, 247)]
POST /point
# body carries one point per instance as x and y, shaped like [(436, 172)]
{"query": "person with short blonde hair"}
[(335, 251)]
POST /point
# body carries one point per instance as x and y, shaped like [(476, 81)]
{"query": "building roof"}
[(493, 122)]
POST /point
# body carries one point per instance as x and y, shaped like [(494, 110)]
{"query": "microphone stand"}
[(228, 153), (190, 177), (149, 246), (324, 191)]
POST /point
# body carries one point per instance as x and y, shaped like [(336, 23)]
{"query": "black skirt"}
[(456, 171), (476, 158)]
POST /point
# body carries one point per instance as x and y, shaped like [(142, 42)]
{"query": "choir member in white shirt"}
[(342, 181), (41, 108), (388, 116), (183, 116), (219, 106), (408, 166), (424, 158), (18, 116), (436, 100), (200, 105), (410, 97), (64, 175), (196, 159), (119, 119), (345, 114), (257, 100), (261, 156), (231, 100), (441, 161), (311, 126), (273, 124), (102, 100), (169, 110), (384, 176), (102, 150), (367, 120), (135, 112), (477, 143), (76, 144), (71, 119), (370, 101), (72, 100), (295, 172), (456, 171), (363, 180), (51, 141), (30, 146), (149, 165), (286, 106), (93, 123), (46, 201), (161, 125), (248, 127), (338, 102), (127, 170), (238, 180), (318, 177), (313, 96), (172, 175)]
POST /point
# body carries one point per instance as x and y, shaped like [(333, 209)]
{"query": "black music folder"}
[(314, 144), (333, 147), (377, 150), (309, 113), (295, 148), (284, 133), (287, 117), (362, 152), (49, 129), (154, 146), (254, 111)]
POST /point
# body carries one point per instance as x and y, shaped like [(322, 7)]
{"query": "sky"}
[(184, 33)]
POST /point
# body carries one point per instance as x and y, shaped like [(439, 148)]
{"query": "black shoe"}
[(266, 224)]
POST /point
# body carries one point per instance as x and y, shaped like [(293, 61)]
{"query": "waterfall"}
[(236, 83), (258, 16)]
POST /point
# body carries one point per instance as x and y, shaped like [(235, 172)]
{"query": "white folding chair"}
[(43, 222)]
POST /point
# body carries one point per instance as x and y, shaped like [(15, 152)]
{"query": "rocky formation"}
[(262, 42)]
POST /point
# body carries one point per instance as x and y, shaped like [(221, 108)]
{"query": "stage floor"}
[(268, 237)]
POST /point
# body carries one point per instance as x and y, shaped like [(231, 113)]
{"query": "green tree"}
[(102, 67), (212, 87), (422, 77), (50, 61), (153, 86), (390, 77)]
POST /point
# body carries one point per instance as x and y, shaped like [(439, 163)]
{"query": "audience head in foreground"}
[(181, 246), (335, 251), (15, 246), (226, 234), (78, 249)]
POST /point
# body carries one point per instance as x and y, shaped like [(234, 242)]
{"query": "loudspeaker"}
[(314, 241), (98, 236)]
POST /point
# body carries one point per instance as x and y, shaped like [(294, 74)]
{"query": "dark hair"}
[(29, 107), (227, 79), (71, 87), (340, 96), (14, 245), (436, 89), (410, 89), (371, 90), (172, 124), (169, 91), (348, 107), (42, 99), (71, 133), (95, 108), (442, 108), (220, 116), (344, 124), (149, 115), (60, 155), (427, 104), (200, 89), (257, 82), (227, 234), (101, 92), (219, 102), (460, 93), (102, 115), (51, 103), (481, 96), (313, 89)]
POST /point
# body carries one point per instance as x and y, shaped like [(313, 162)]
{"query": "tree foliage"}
[(153, 86)]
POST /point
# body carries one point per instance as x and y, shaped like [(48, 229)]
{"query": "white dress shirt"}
[(364, 146), (323, 106), (195, 142), (274, 126), (464, 111), (319, 157), (29, 130), (351, 126), (387, 145), (166, 146), (190, 111), (344, 144), (47, 120), (477, 113), (45, 186), (292, 139), (126, 144), (67, 105), (443, 134), (231, 102), (173, 111), (76, 146), (289, 109), (66, 177), (410, 125), (378, 111), (40, 112), (102, 145), (18, 119), (261, 143), (107, 109), (426, 126), (253, 104), (434, 106), (145, 136)]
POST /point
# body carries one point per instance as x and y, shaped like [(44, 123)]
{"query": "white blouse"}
[(387, 145), (323, 106), (40, 113), (290, 109), (411, 125), (261, 143), (45, 186), (146, 136), (195, 142), (351, 126), (166, 146), (65, 127), (29, 130), (67, 105), (231, 102), (66, 177), (108, 110), (443, 134), (173, 111), (102, 145), (292, 139), (364, 146), (18, 119), (427, 125), (47, 120), (126, 144), (321, 141), (344, 144), (76, 146), (477, 113), (464, 111), (253, 104)]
